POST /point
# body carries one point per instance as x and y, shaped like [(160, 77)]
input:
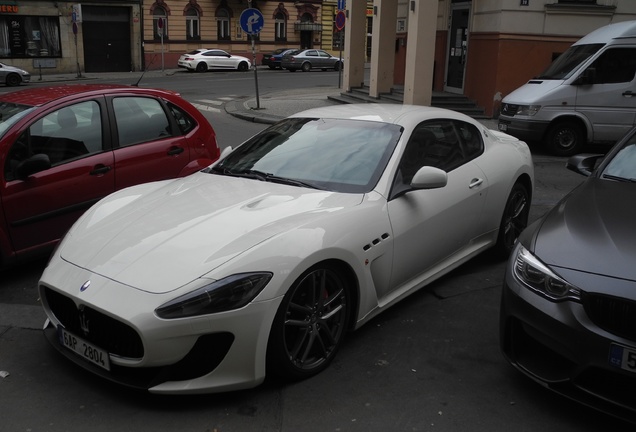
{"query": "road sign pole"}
[(258, 101)]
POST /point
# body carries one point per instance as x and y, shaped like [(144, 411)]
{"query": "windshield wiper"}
[(617, 178), (263, 176)]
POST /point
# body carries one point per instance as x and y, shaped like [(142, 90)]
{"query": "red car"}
[(64, 148)]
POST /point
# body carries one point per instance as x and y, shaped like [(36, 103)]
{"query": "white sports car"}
[(201, 60), (262, 262)]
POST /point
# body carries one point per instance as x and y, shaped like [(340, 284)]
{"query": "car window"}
[(311, 53), (623, 165), (140, 119), (437, 143), (184, 121), (617, 65), (323, 54), (70, 133), (10, 113)]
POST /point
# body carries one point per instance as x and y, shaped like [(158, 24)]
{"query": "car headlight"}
[(538, 277), (528, 110), (232, 292)]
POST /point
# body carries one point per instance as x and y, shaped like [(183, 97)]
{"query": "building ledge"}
[(579, 9)]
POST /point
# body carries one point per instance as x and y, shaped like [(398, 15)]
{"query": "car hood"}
[(160, 236), (592, 230)]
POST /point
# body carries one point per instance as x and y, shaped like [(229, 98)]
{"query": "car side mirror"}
[(429, 177), (588, 76), (583, 164), (226, 151), (34, 164)]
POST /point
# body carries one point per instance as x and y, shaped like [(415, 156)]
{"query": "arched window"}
[(159, 28), (280, 27), (192, 24), (223, 24)]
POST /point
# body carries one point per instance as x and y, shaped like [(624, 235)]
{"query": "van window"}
[(569, 61), (616, 65)]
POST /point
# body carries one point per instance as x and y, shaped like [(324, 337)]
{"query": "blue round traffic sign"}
[(252, 21)]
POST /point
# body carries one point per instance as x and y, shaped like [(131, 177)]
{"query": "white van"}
[(588, 94)]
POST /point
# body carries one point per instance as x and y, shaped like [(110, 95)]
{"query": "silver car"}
[(203, 59), (309, 59), (13, 76)]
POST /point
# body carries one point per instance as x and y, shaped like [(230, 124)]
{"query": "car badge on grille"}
[(83, 321), (85, 286)]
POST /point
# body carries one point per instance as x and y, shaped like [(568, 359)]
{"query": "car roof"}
[(387, 113), (37, 96)]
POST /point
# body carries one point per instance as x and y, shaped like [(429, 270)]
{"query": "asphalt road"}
[(431, 363)]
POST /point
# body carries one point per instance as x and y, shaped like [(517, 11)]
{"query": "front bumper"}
[(558, 345), (525, 130), (206, 354)]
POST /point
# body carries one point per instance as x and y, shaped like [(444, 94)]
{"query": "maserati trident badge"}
[(85, 286)]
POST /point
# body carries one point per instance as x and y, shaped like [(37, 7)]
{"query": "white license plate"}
[(503, 127), (90, 352), (623, 357)]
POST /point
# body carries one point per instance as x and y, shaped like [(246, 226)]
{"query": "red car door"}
[(41, 207), (147, 153)]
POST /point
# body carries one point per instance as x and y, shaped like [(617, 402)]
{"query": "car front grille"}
[(105, 332), (613, 314)]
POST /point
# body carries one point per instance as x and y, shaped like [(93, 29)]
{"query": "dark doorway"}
[(106, 39), (306, 39), (457, 48)]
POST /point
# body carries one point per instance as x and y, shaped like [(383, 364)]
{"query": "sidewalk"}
[(267, 108)]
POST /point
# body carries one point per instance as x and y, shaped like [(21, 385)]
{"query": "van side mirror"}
[(587, 77), (34, 164)]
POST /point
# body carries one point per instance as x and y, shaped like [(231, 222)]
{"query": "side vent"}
[(375, 242)]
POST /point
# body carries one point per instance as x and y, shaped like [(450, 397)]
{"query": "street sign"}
[(252, 21), (342, 4), (340, 20)]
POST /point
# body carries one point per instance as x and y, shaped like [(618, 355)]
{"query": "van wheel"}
[(565, 138)]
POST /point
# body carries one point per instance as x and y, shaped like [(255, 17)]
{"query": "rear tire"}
[(202, 67), (310, 324), (306, 67), (565, 138), (13, 80)]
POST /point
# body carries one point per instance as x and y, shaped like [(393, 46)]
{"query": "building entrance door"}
[(457, 49), (106, 39)]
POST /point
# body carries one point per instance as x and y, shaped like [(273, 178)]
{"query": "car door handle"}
[(475, 182), (175, 151), (99, 170), (628, 93)]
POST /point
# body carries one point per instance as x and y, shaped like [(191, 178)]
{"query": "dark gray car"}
[(568, 309), (309, 59)]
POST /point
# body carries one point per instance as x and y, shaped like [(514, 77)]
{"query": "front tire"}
[(514, 219), (310, 324), (565, 138), (242, 67), (202, 67)]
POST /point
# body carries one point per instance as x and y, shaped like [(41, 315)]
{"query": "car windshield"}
[(11, 113), (329, 154), (568, 62), (623, 166)]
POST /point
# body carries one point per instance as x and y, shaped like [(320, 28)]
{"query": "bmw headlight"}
[(528, 110), (538, 277), (232, 292)]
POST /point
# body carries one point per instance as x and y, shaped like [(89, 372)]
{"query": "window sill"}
[(579, 9)]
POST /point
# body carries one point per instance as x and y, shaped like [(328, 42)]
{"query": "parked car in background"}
[(13, 76), (64, 148), (306, 60), (274, 59), (201, 60), (262, 262), (568, 309)]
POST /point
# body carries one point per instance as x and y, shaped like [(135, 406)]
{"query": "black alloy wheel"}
[(242, 67), (13, 80), (514, 219), (310, 324), (202, 67), (306, 67)]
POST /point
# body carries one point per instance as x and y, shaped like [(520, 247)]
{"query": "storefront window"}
[(30, 36)]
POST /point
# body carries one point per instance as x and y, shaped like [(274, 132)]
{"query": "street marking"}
[(206, 108), (211, 102)]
